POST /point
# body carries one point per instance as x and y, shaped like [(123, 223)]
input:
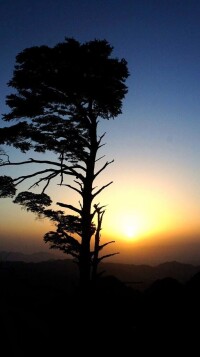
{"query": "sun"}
[(130, 231), (130, 227)]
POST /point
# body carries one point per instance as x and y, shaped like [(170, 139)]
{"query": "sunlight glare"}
[(130, 231), (130, 228)]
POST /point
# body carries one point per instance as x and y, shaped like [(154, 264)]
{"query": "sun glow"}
[(130, 231), (130, 228)]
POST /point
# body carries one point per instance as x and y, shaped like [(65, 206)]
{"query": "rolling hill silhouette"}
[(40, 306), (137, 276)]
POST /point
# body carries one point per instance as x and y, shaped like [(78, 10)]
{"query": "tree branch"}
[(78, 167), (100, 158), (107, 256), (97, 209), (48, 178), (31, 161), (73, 188), (78, 183), (22, 178), (103, 168), (73, 172), (48, 162), (69, 206), (101, 189), (105, 244), (101, 137)]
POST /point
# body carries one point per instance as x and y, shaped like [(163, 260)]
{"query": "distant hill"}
[(28, 258), (141, 276), (137, 276), (135, 303)]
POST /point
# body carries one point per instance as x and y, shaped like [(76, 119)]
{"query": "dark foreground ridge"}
[(42, 310)]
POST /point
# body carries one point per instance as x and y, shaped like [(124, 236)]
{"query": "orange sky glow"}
[(146, 217)]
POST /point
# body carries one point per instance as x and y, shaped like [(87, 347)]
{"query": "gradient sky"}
[(155, 197)]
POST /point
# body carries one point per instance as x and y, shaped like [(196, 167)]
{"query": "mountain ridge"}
[(27, 257), (137, 276)]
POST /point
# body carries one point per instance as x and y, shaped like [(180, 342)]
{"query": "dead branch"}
[(101, 189), (107, 256), (103, 167)]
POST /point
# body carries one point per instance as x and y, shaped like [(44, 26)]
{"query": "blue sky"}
[(156, 141)]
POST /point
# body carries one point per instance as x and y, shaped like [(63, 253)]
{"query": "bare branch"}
[(73, 188), (80, 184), (47, 178), (100, 158), (100, 247), (107, 256), (100, 146), (101, 137), (77, 167), (47, 184), (105, 244), (97, 209), (65, 167), (22, 178), (80, 204), (48, 162), (103, 167), (61, 171), (101, 189), (31, 161), (73, 172)]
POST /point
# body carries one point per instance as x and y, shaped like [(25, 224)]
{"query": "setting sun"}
[(130, 227), (130, 231)]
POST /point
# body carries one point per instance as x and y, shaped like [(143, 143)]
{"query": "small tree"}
[(60, 94)]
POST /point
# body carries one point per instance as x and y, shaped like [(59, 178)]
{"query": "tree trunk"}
[(96, 245), (85, 254), (84, 265)]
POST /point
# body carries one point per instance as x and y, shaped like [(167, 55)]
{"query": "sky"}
[(153, 205)]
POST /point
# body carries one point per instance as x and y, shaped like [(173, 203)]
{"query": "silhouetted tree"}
[(60, 94)]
